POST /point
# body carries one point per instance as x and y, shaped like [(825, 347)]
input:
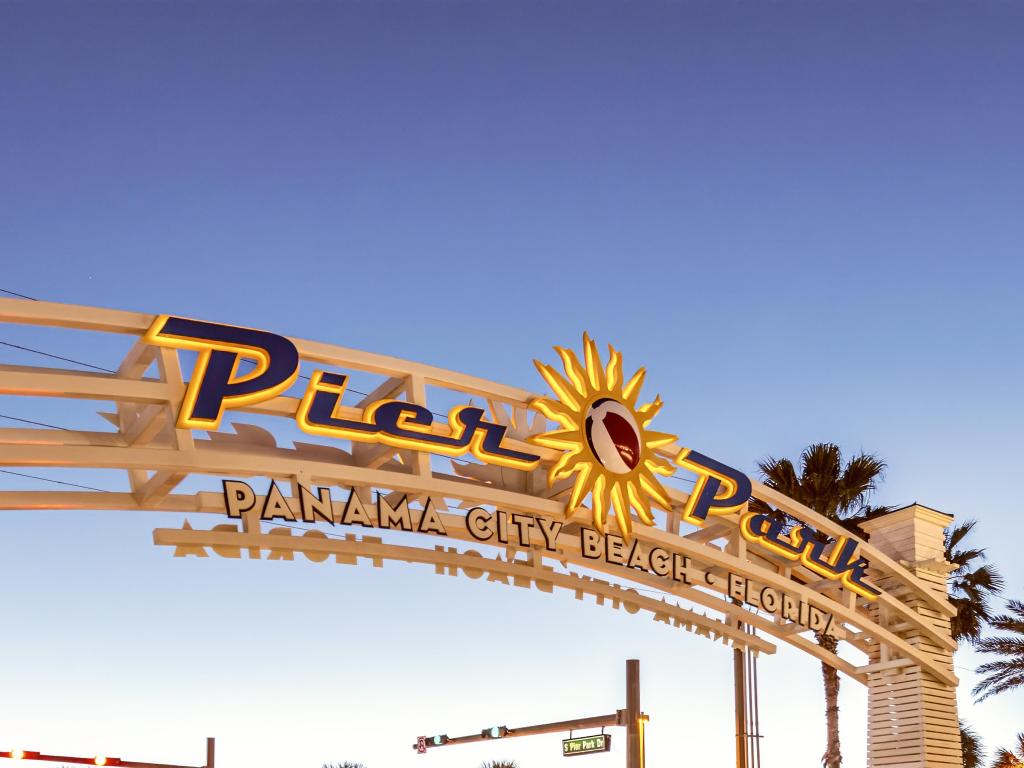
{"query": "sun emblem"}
[(604, 437)]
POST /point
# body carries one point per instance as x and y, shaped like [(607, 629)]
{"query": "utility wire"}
[(19, 295), (37, 423), (56, 357), (51, 480)]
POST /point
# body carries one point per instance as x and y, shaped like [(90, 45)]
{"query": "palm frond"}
[(1005, 758), (971, 746), (1006, 671), (998, 682), (779, 474), (971, 584), (958, 532), (859, 479)]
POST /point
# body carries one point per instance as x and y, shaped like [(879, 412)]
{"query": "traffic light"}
[(494, 732), (424, 742)]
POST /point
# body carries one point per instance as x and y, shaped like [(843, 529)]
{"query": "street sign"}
[(586, 745)]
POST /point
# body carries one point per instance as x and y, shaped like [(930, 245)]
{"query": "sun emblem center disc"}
[(613, 435)]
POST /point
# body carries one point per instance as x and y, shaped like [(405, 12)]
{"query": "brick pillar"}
[(912, 716)]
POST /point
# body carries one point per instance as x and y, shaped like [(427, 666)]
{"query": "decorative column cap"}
[(913, 511)]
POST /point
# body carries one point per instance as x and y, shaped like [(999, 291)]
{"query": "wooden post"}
[(739, 683), (210, 745), (634, 747)]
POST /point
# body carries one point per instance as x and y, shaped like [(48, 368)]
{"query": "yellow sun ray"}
[(621, 505), (617, 472), (631, 391), (555, 411), (573, 369), (599, 502), (660, 466), (571, 468), (584, 485), (658, 439), (560, 386), (649, 483), (613, 374), (593, 358), (650, 410), (640, 503), (561, 468), (561, 440)]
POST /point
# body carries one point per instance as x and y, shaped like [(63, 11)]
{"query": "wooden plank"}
[(46, 382)]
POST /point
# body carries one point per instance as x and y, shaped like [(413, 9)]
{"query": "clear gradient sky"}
[(805, 219)]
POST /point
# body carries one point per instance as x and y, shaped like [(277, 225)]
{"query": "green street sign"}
[(586, 745)]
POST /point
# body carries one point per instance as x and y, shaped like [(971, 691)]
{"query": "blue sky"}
[(804, 220)]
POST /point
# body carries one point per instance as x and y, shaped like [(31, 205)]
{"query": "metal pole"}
[(210, 746), (757, 712), (741, 706), (634, 748)]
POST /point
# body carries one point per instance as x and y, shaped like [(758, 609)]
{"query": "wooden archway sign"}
[(488, 520)]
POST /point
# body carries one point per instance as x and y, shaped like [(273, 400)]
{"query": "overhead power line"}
[(51, 480), (56, 357), (19, 295), (37, 423)]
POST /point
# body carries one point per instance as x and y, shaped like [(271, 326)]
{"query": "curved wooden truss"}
[(162, 460)]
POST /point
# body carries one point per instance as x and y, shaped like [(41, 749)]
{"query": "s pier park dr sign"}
[(587, 745)]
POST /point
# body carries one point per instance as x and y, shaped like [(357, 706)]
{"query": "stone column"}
[(912, 716)]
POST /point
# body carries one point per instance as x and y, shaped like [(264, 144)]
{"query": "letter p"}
[(216, 383)]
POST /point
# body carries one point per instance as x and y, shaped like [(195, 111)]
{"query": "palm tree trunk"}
[(832, 757)]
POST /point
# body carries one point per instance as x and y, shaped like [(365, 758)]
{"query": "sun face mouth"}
[(604, 438)]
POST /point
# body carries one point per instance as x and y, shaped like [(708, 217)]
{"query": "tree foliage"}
[(1010, 758), (841, 493), (970, 745), (971, 584), (1006, 672)]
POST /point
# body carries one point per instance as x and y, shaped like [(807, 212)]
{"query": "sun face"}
[(604, 437)]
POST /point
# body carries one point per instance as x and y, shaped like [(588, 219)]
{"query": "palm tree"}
[(500, 764), (1006, 758), (970, 588), (970, 745), (1006, 673), (840, 493)]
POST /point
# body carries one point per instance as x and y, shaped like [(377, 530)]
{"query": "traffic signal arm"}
[(598, 721)]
